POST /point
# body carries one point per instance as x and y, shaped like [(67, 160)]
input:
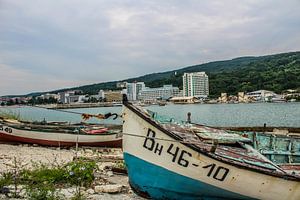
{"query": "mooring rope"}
[(85, 116)]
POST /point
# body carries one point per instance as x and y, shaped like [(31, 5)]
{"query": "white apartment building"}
[(101, 94), (70, 97), (63, 97), (164, 93), (262, 95), (195, 84), (48, 95), (133, 90)]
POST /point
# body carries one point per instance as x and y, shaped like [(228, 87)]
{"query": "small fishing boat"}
[(170, 160), (280, 145), (59, 134)]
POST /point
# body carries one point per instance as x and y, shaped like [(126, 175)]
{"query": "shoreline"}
[(111, 104)]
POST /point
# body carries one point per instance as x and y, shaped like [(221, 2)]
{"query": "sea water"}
[(252, 114)]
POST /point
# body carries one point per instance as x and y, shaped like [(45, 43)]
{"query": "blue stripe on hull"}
[(160, 183)]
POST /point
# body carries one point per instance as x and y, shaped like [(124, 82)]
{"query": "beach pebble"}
[(105, 196), (68, 193), (90, 191), (109, 173), (89, 151), (2, 197), (104, 165), (108, 188)]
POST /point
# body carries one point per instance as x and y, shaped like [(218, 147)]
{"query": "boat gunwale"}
[(62, 131), (287, 176), (113, 144)]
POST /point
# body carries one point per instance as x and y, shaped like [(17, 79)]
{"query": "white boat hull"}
[(10, 134), (145, 144)]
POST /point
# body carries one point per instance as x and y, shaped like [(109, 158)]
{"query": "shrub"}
[(6, 179), (80, 172)]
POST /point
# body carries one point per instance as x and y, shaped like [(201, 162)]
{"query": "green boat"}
[(280, 145)]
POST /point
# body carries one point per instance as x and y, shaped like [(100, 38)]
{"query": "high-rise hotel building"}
[(195, 84), (133, 89)]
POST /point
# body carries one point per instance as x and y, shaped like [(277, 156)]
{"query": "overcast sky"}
[(48, 44)]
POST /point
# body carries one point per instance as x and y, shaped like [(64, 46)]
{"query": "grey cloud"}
[(97, 41)]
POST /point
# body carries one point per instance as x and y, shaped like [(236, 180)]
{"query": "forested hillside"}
[(274, 72)]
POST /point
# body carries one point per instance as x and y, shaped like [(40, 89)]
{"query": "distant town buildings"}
[(255, 96), (4, 100), (113, 96), (242, 97), (133, 90), (223, 98), (195, 84), (101, 94), (162, 93), (292, 95), (137, 91), (48, 96), (71, 97), (121, 84), (14, 100), (195, 90), (262, 95)]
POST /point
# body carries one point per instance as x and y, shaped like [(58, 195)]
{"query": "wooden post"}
[(188, 117)]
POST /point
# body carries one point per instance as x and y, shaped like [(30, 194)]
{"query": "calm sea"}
[(255, 114)]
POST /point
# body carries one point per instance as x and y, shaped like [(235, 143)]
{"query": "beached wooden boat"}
[(280, 145), (166, 160), (59, 134)]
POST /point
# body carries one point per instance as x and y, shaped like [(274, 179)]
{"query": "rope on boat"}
[(85, 116)]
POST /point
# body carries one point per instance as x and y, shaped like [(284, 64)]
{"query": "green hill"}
[(277, 73), (272, 72)]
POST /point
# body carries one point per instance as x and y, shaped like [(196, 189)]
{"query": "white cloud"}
[(16, 81)]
